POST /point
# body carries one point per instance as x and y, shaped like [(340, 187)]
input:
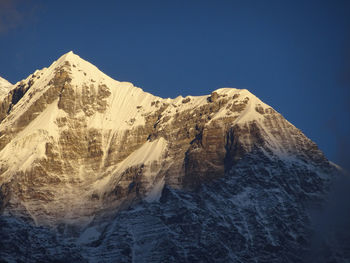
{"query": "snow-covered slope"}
[(5, 86), (78, 150)]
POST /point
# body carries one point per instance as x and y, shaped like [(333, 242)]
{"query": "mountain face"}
[(96, 170)]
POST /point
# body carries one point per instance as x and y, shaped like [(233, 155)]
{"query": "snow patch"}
[(146, 154), (5, 87), (156, 192), (89, 235)]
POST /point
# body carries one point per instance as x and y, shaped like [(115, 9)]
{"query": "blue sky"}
[(294, 55)]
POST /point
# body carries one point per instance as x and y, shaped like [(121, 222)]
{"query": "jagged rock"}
[(186, 100), (213, 97)]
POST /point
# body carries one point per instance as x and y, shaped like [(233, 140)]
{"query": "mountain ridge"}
[(72, 98), (92, 160)]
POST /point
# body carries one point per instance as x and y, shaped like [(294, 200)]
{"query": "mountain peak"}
[(70, 57), (73, 111), (80, 69), (70, 134)]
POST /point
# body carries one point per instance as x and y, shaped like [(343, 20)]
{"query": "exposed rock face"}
[(129, 176)]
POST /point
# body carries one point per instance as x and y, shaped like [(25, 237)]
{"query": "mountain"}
[(93, 169), (4, 86)]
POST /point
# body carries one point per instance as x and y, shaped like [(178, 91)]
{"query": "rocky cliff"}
[(99, 170)]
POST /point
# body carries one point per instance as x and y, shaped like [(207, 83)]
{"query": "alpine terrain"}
[(97, 170), (4, 86)]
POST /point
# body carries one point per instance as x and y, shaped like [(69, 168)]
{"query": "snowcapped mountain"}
[(93, 169), (5, 86)]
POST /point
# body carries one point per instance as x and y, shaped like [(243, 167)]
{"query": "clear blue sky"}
[(294, 55)]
